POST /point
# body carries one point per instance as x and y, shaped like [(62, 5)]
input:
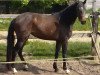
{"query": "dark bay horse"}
[(57, 27)]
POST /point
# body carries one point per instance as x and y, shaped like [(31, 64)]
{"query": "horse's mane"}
[(67, 8)]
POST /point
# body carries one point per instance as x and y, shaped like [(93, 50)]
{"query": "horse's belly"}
[(45, 37), (41, 36)]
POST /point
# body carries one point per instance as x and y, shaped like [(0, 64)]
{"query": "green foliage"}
[(76, 49), (15, 6), (42, 6), (2, 52), (20, 6), (40, 49), (25, 2), (89, 10), (4, 23), (59, 1), (79, 27), (47, 50)]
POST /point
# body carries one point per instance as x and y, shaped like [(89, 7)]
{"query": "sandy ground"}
[(45, 68)]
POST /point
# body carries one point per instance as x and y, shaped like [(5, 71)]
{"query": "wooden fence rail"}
[(82, 36)]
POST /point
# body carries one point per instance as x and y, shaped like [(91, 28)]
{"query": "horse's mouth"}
[(83, 22)]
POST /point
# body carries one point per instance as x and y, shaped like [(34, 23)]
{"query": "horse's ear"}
[(84, 1)]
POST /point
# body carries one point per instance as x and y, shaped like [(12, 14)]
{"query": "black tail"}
[(10, 42)]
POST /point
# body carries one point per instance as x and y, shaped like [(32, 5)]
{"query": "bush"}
[(20, 6)]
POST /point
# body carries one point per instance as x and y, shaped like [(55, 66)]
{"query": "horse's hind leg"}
[(58, 46), (22, 59), (19, 46)]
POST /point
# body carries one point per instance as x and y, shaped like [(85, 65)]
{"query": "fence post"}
[(95, 33)]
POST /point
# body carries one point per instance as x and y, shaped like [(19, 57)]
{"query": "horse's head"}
[(81, 11)]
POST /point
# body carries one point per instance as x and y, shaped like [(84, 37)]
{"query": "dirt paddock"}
[(45, 68)]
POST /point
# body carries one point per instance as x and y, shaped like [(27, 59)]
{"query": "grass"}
[(42, 50), (4, 24), (79, 27), (2, 52)]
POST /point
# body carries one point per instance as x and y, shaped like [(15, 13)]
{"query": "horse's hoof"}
[(14, 70), (26, 67), (56, 70), (67, 71)]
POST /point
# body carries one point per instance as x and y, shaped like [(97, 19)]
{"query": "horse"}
[(56, 27)]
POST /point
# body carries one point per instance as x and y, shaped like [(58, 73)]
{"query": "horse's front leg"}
[(64, 55), (58, 46)]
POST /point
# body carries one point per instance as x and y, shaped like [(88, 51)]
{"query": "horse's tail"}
[(10, 42)]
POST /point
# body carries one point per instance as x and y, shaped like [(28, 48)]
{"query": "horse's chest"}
[(66, 33)]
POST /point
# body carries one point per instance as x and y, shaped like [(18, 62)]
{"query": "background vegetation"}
[(20, 6), (42, 6)]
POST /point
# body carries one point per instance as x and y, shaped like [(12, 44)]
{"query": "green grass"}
[(2, 52), (4, 24), (42, 50), (79, 27)]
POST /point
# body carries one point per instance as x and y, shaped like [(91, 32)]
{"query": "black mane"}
[(69, 12)]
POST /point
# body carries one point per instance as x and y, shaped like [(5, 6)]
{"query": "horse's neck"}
[(69, 15)]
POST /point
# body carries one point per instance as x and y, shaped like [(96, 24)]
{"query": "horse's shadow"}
[(37, 70), (33, 69), (3, 68)]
